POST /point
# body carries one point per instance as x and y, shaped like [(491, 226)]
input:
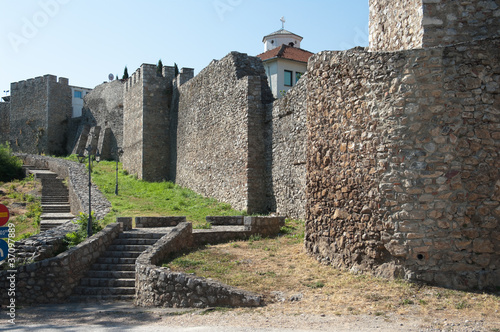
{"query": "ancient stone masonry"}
[(386, 21), (4, 122), (103, 108), (52, 280), (158, 286), (410, 24), (146, 122), (39, 110), (403, 163), (287, 151), (220, 132)]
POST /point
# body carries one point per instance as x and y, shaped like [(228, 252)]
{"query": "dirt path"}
[(265, 319)]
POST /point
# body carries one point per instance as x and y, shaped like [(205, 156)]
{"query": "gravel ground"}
[(104, 317)]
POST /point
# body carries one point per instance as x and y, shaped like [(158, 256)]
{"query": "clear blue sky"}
[(85, 40)]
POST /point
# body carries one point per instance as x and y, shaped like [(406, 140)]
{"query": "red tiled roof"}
[(286, 52)]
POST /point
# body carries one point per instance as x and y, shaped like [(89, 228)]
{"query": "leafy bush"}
[(75, 238), (10, 166)]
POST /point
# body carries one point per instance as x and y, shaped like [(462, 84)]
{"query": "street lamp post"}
[(81, 159), (119, 153)]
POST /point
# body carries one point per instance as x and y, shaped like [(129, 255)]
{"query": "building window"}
[(298, 76), (78, 94), (288, 78)]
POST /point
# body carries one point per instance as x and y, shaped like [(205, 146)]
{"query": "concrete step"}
[(107, 282), (57, 216), (43, 174), (55, 200), (121, 254), (140, 235), (116, 260), (100, 298), (131, 247), (111, 274), (134, 241), (56, 208), (83, 290), (49, 224), (112, 267)]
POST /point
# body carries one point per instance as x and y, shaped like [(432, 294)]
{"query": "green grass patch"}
[(25, 208), (142, 198)]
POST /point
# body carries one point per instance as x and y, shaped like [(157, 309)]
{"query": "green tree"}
[(176, 70), (125, 73), (10, 166), (159, 69)]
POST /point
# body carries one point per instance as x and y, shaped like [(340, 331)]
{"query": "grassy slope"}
[(280, 269), (142, 198)]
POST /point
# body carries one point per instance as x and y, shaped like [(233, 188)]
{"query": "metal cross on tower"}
[(283, 22)]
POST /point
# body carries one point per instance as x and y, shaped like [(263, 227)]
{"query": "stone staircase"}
[(112, 277), (56, 209)]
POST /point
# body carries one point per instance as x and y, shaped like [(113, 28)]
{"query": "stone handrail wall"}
[(159, 286), (52, 280), (48, 243), (77, 182)]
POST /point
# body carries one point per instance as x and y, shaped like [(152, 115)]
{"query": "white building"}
[(284, 61), (77, 94)]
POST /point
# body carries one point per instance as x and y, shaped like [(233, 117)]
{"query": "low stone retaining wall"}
[(225, 220), (148, 222), (44, 245), (159, 286), (52, 280), (224, 228)]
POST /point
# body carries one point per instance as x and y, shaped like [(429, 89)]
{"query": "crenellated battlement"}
[(39, 80), (147, 73)]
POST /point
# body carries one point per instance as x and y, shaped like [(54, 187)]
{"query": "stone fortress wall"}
[(411, 24), (401, 153), (39, 108), (403, 163), (146, 122), (220, 133), (403, 149), (4, 122), (102, 109), (286, 151)]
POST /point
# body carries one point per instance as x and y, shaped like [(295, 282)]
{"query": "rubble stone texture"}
[(403, 163), (39, 108), (287, 151), (220, 135), (410, 24), (104, 108)]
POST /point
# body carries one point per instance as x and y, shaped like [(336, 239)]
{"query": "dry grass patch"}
[(294, 283), (22, 198)]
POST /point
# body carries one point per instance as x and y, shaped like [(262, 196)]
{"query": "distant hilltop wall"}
[(411, 24)]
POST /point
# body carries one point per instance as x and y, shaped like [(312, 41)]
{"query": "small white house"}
[(284, 61), (77, 94)]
